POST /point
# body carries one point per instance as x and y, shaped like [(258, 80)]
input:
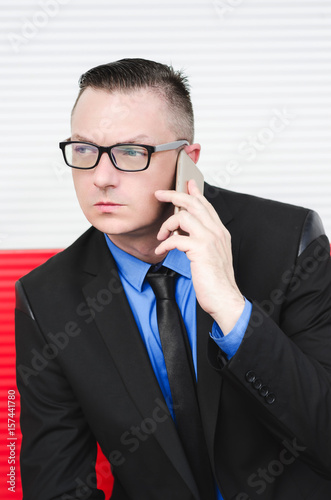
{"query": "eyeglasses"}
[(125, 157)]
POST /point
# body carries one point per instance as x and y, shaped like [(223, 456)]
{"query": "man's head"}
[(128, 75), (123, 106)]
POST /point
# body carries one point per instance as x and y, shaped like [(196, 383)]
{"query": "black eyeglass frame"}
[(107, 149)]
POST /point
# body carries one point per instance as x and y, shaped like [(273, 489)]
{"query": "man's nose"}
[(105, 174)]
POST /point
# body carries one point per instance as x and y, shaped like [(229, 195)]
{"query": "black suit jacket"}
[(85, 376)]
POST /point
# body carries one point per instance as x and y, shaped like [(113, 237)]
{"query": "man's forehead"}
[(108, 100), (136, 116)]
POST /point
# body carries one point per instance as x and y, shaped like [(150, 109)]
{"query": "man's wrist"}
[(230, 314), (231, 342)]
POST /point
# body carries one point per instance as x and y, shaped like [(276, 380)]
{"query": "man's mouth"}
[(107, 206)]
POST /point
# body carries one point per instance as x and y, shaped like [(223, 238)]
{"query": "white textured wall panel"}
[(260, 73)]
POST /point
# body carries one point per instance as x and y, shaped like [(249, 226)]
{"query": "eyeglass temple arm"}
[(171, 145)]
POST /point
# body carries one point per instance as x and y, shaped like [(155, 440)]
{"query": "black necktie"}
[(182, 381)]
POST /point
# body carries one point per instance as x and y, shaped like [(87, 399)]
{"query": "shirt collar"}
[(134, 270)]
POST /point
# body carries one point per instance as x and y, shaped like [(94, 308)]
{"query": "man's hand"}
[(208, 246)]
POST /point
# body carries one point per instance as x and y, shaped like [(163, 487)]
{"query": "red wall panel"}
[(13, 265)]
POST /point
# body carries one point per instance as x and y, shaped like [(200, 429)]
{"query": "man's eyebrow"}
[(138, 138), (133, 140), (77, 137)]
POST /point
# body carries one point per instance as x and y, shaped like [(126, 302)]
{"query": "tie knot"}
[(163, 283)]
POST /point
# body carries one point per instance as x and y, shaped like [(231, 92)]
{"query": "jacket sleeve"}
[(58, 449), (283, 364)]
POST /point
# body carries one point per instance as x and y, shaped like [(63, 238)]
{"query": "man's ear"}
[(193, 150)]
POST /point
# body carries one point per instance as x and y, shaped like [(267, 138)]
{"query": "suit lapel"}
[(122, 338), (209, 380)]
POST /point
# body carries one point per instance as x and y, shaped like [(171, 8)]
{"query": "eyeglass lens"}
[(127, 157)]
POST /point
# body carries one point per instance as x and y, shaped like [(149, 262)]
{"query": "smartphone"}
[(186, 170)]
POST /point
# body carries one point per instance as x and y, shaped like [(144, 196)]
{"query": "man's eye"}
[(83, 149), (134, 152)]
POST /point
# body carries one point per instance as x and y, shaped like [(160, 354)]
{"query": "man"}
[(254, 290)]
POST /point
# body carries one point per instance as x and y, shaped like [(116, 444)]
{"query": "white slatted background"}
[(260, 73)]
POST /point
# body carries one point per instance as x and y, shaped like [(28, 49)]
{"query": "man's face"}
[(122, 204)]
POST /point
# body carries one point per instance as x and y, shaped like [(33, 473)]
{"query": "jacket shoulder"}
[(260, 219), (64, 263), (239, 202)]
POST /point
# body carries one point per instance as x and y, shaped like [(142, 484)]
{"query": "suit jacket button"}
[(257, 384), (270, 398), (264, 391), (250, 376)]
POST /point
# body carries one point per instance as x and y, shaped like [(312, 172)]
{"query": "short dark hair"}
[(128, 75)]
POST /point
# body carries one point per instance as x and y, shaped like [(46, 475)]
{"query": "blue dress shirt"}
[(132, 272)]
